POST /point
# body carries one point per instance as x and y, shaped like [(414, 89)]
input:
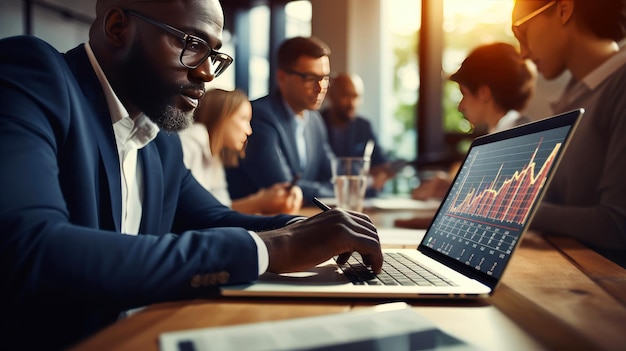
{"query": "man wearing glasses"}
[(289, 137), (98, 213)]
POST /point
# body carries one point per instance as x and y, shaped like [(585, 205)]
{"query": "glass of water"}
[(350, 179)]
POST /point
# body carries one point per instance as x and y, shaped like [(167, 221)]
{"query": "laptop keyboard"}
[(398, 269)]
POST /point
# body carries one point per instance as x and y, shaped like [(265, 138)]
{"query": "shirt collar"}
[(602, 72), (575, 89), (507, 121), (305, 113), (143, 130)]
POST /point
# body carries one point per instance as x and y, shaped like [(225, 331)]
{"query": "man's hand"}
[(434, 188), (307, 243)]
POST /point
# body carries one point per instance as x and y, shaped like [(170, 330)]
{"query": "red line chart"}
[(507, 200)]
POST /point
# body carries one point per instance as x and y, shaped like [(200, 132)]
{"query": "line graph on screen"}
[(505, 198)]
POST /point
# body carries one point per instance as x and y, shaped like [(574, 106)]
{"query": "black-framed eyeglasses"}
[(516, 26), (195, 50), (311, 79)]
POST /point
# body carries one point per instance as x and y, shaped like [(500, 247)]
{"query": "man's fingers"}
[(375, 263), (343, 258), (361, 219)]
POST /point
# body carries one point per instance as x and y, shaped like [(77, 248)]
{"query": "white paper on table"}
[(402, 203), (393, 326), (401, 236), (392, 203)]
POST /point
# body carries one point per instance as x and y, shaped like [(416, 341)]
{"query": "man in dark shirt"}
[(349, 133)]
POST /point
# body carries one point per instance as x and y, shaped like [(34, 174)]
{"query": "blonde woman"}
[(217, 140)]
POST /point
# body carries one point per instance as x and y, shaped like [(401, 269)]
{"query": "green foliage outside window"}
[(463, 31)]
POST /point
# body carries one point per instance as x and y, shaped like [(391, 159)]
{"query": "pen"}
[(293, 182), (320, 204)]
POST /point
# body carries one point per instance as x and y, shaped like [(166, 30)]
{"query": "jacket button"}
[(196, 281), (222, 277), (210, 279)]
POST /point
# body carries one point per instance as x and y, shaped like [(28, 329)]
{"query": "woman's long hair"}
[(216, 106)]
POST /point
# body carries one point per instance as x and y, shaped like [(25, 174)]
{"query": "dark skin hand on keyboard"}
[(307, 243)]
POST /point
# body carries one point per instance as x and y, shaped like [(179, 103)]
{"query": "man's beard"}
[(171, 119), (151, 93)]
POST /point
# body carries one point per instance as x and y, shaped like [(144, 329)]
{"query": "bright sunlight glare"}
[(405, 14)]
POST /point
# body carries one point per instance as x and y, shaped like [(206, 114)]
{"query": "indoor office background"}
[(403, 50)]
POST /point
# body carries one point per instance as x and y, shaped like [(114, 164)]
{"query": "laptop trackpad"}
[(327, 273)]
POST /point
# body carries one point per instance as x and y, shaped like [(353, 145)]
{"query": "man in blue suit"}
[(98, 213), (288, 135)]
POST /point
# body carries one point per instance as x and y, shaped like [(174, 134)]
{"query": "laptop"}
[(472, 237)]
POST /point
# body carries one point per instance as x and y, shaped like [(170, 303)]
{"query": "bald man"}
[(348, 133), (98, 213)]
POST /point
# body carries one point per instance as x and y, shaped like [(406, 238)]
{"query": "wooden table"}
[(556, 295)]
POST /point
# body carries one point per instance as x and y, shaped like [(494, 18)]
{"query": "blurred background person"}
[(349, 133), (216, 140), (496, 84)]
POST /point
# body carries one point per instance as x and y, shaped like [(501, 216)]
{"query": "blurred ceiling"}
[(86, 8)]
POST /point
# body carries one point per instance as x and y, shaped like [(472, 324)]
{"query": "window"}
[(466, 24), (298, 18), (297, 23), (259, 69), (403, 20)]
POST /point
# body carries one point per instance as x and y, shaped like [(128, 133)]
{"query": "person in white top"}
[(217, 139), (496, 83)]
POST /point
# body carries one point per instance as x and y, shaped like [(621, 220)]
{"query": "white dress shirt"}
[(300, 140), (130, 136)]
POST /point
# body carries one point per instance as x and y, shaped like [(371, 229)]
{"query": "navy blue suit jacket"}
[(272, 154), (66, 269)]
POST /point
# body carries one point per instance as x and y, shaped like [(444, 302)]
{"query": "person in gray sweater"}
[(587, 197)]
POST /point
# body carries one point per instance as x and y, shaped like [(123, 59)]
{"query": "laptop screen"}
[(491, 200)]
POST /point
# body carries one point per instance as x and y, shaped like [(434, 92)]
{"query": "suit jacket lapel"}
[(285, 125), (79, 62), (312, 143), (152, 189)]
